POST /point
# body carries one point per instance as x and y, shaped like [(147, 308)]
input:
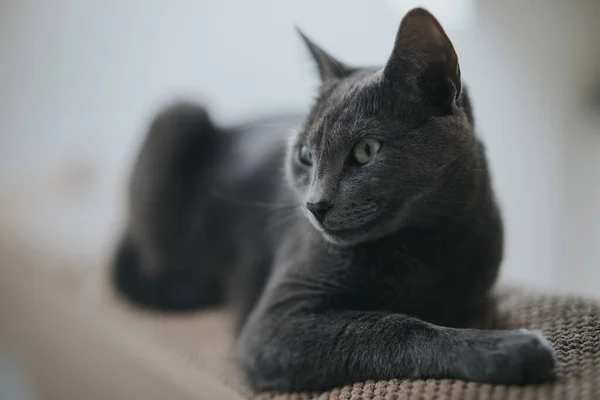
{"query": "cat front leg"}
[(314, 350)]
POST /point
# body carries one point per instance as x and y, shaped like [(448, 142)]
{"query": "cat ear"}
[(329, 67), (423, 57)]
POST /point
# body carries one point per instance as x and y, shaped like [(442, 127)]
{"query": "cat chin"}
[(342, 241), (350, 237), (344, 238), (371, 231)]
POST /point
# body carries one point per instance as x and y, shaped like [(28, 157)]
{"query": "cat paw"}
[(514, 358)]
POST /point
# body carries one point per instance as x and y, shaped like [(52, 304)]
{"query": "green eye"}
[(365, 150), (305, 156)]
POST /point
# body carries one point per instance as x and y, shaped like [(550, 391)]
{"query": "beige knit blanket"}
[(571, 324)]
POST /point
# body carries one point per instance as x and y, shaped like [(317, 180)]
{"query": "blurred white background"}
[(80, 80)]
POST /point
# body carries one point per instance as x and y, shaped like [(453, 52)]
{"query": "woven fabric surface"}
[(571, 324)]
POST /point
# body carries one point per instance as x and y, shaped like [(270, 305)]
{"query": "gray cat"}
[(360, 246)]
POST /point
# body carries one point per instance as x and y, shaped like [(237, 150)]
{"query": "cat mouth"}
[(347, 235), (339, 229)]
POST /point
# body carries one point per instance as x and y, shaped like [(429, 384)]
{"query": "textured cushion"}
[(571, 324), (79, 341)]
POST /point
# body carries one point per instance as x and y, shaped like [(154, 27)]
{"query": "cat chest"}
[(409, 286)]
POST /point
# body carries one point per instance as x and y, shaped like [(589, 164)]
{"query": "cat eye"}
[(365, 150), (305, 156)]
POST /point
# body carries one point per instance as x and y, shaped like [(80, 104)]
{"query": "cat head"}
[(379, 142)]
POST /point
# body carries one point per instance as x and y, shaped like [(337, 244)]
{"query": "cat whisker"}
[(251, 203), (276, 223)]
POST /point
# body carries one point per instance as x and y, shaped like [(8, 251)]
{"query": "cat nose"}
[(318, 209)]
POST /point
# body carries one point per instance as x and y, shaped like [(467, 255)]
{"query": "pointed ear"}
[(329, 67), (424, 58)]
